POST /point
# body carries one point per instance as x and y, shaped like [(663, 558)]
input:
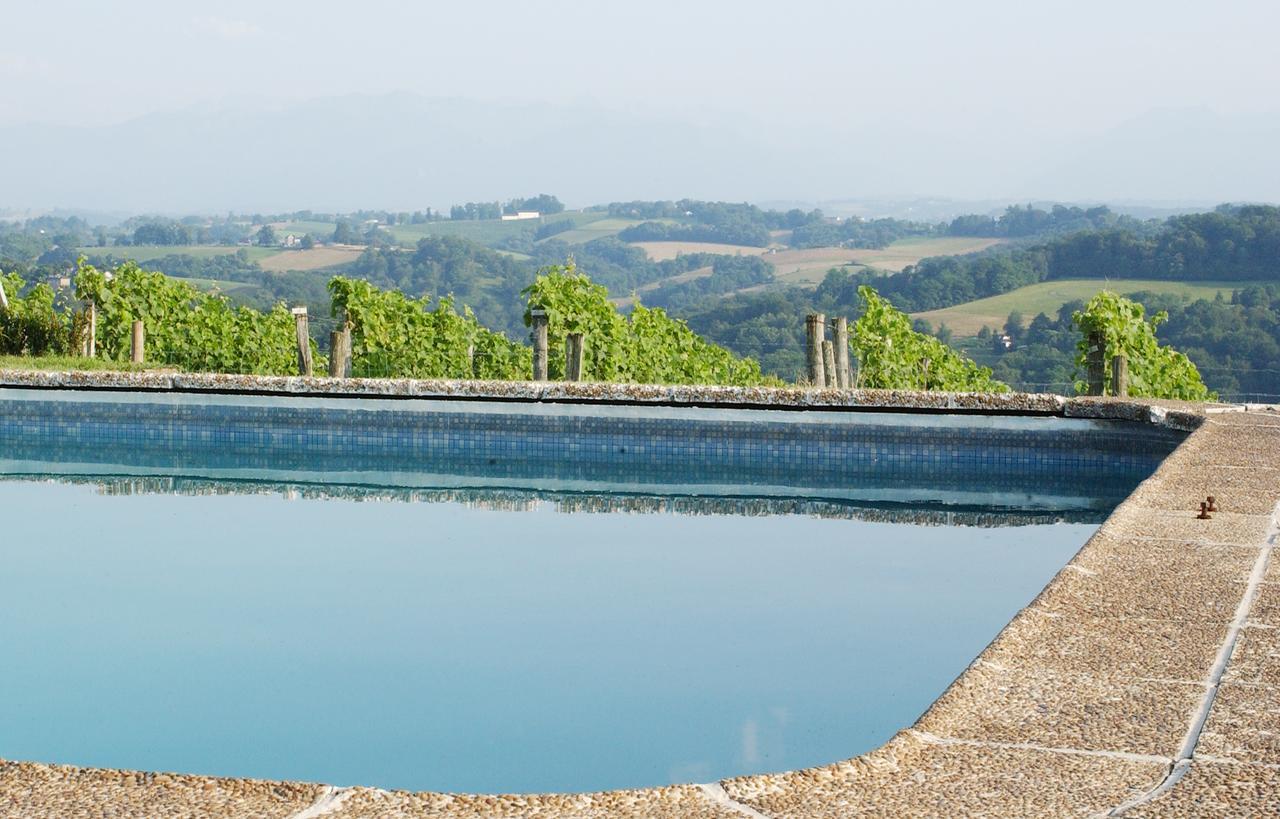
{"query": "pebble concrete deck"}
[(1144, 681)]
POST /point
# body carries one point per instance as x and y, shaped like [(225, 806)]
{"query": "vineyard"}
[(391, 335)]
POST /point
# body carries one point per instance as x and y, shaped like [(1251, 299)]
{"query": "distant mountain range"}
[(404, 151)]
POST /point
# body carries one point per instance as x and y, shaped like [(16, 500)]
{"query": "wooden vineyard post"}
[(1120, 376), (91, 344), (573, 357), (340, 353), (137, 346), (843, 376), (539, 318), (829, 362), (303, 339), (815, 325), (1095, 366)]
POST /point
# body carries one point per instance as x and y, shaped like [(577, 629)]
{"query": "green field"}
[(1047, 297), (145, 253), (598, 229), (487, 231), (320, 231), (210, 285)]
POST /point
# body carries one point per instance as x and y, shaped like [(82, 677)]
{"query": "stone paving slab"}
[(1065, 711), (659, 803), (1266, 606), (1235, 491), (1244, 724), (1108, 648), (1132, 520), (1158, 580), (1217, 791), (909, 777), (1256, 659), (1228, 448), (37, 791)]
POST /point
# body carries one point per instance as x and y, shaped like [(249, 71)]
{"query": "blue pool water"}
[(409, 617)]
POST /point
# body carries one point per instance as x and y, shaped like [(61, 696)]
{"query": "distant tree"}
[(345, 233), (1013, 327), (543, 203), (306, 242), (161, 233), (266, 237), (476, 210)]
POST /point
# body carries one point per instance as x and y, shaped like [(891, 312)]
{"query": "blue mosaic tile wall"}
[(645, 446)]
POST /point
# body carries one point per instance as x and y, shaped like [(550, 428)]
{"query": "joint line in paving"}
[(934, 739), (329, 800), (1182, 762), (717, 794)]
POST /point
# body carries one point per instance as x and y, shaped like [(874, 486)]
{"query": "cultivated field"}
[(145, 253), (1047, 297), (660, 251), (314, 259), (226, 288), (808, 267), (595, 229), (493, 231)]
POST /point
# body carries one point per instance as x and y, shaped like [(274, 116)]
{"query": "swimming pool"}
[(497, 596)]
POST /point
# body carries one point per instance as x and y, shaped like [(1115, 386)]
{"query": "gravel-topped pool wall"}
[(1141, 682)]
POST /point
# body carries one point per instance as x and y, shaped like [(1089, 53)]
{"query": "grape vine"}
[(1155, 371), (650, 347), (892, 356)]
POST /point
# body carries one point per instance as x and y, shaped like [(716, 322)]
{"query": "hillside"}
[(1049, 297)]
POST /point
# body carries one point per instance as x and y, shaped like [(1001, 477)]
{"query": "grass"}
[(60, 363), (488, 231), (598, 229), (317, 258), (1047, 297), (220, 285), (145, 253), (660, 251)]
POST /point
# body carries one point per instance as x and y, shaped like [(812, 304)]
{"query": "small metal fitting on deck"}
[(1204, 512), (1213, 506)]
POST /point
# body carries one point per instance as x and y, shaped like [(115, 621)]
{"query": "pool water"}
[(496, 596), (448, 646)]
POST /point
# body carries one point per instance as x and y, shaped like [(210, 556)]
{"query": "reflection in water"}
[(516, 500)]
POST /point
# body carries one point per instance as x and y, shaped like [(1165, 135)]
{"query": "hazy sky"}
[(1076, 65), (1018, 77)]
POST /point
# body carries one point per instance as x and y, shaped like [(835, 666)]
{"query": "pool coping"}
[(1114, 692), (1181, 415)]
